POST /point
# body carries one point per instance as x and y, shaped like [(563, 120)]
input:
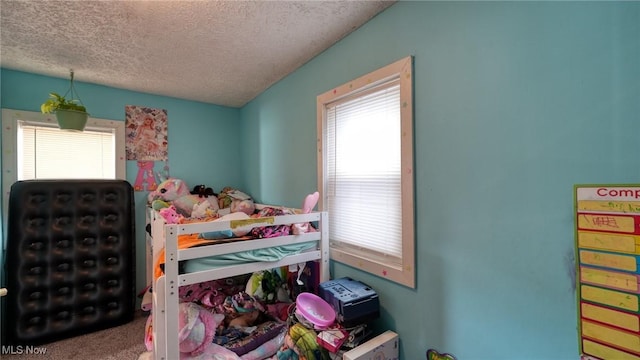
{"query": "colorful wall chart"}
[(608, 270)]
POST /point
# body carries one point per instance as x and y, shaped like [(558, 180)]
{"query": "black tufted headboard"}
[(70, 259)]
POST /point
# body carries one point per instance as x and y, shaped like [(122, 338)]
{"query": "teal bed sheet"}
[(267, 254)]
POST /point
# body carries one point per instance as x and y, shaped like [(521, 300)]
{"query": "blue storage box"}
[(353, 301)]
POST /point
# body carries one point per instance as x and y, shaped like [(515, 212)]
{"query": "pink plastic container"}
[(315, 310)]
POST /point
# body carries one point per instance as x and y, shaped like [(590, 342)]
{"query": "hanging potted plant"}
[(70, 113)]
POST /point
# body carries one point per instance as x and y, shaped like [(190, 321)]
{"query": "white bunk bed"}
[(165, 298)]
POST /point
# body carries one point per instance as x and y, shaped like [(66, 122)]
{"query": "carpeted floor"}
[(125, 342)]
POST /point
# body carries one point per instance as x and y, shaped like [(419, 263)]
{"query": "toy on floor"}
[(301, 342)]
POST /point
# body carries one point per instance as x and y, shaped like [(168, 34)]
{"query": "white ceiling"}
[(220, 52)]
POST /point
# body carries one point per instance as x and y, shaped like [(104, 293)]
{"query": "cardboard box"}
[(332, 339)]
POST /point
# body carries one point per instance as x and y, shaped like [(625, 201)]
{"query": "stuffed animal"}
[(202, 191), (170, 215), (176, 192), (303, 341), (169, 190), (268, 286), (159, 204), (202, 210), (236, 201)]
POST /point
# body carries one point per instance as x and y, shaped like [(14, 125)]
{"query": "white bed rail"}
[(165, 288)]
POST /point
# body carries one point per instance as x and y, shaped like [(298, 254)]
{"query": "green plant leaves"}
[(57, 101)]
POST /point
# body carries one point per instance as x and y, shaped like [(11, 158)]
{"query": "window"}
[(35, 148), (40, 155), (365, 171)]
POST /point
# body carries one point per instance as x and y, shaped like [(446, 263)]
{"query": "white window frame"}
[(10, 120), (402, 70)]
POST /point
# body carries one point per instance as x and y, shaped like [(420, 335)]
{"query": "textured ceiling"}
[(220, 52)]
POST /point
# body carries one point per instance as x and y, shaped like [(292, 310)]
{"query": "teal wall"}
[(203, 138), (515, 102)]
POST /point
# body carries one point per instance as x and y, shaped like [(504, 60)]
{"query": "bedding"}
[(265, 254), (246, 230), (220, 312), (203, 254), (263, 343), (264, 351), (240, 342)]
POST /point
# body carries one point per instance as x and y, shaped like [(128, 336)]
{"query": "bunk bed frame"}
[(165, 288)]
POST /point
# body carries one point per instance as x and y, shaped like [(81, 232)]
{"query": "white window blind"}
[(46, 152), (363, 180)]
